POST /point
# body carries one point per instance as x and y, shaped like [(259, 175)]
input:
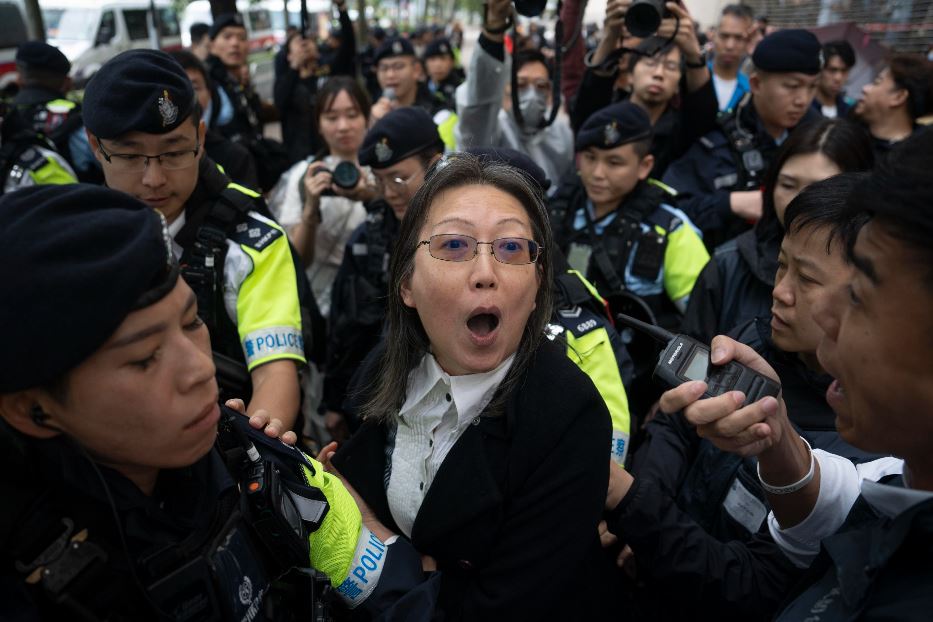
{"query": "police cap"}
[(515, 159), (40, 55), (614, 126), (223, 21), (138, 91), (438, 47), (789, 51), (400, 134), (93, 255), (397, 46)]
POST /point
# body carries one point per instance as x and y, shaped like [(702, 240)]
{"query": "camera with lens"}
[(643, 17), (345, 175), (530, 8)]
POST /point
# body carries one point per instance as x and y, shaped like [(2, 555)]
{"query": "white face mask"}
[(533, 105)]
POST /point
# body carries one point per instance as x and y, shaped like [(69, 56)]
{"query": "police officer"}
[(123, 497), (616, 226), (399, 149), (719, 178), (144, 125), (444, 76), (37, 125), (399, 73)]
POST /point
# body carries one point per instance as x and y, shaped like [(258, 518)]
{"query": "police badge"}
[(611, 134), (397, 47), (383, 150), (167, 109)]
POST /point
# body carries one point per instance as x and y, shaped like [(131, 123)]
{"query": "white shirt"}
[(841, 482), (724, 89), (436, 412), (830, 112)]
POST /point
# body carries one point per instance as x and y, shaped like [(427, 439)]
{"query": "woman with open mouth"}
[(483, 448)]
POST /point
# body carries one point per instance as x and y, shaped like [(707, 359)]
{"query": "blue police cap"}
[(515, 159), (400, 134), (75, 260), (614, 126), (789, 51), (223, 21), (397, 46), (138, 91), (40, 55), (438, 47)]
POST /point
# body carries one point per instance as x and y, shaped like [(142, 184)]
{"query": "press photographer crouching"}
[(121, 499)]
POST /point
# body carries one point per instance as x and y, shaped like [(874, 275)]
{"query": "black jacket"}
[(511, 514), (294, 96), (358, 301), (695, 515), (873, 568), (734, 287)]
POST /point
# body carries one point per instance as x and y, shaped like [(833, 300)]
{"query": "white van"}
[(91, 32), (12, 35)]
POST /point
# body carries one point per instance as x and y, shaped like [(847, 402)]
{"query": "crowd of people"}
[(372, 370)]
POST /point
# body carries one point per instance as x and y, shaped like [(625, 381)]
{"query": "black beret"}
[(75, 260), (224, 20), (138, 91), (394, 47), (515, 159), (39, 55), (789, 51), (438, 47), (400, 134), (613, 126)]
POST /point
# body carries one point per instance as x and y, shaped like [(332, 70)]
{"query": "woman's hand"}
[(316, 181), (273, 428), (363, 191)]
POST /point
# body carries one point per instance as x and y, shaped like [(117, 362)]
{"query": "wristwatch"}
[(698, 64)]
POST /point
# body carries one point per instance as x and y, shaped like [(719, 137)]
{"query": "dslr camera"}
[(643, 17), (345, 175)]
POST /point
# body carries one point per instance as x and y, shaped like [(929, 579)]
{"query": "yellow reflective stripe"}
[(268, 296), (446, 122), (60, 105), (243, 189), (594, 356), (684, 259), (662, 186), (589, 286), (52, 173)]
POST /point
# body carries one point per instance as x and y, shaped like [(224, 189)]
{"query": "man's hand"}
[(746, 430), (747, 204), (262, 421), (614, 23), (380, 109), (497, 13), (686, 37)]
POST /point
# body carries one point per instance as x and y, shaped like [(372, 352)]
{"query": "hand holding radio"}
[(730, 419)]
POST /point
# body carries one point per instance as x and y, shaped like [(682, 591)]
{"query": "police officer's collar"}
[(30, 95)]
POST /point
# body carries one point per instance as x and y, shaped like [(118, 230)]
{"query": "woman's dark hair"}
[(329, 92), (406, 340), (823, 204), (845, 143)]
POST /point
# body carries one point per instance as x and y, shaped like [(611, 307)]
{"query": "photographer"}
[(662, 67), (484, 101)]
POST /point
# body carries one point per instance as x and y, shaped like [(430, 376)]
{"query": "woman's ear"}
[(406, 293), (22, 411)]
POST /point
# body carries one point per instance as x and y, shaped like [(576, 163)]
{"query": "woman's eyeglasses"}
[(456, 247)]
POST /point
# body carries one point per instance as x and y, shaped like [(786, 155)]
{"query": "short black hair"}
[(524, 57), (914, 73), (823, 205), (741, 11), (198, 31), (651, 47), (843, 49), (897, 196)]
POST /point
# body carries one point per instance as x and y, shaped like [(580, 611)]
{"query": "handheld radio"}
[(685, 359)]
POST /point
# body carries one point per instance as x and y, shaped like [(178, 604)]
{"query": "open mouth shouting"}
[(483, 325)]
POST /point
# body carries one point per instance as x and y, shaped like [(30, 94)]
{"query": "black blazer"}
[(511, 515)]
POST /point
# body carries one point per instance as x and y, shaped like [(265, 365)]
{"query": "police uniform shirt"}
[(684, 257), (260, 293)]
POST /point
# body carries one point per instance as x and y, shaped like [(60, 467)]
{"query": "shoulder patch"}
[(255, 233), (32, 159)]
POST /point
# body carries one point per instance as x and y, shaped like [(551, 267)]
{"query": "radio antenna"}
[(656, 332)]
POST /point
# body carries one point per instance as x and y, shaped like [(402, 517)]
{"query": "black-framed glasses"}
[(137, 162), (456, 247)]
